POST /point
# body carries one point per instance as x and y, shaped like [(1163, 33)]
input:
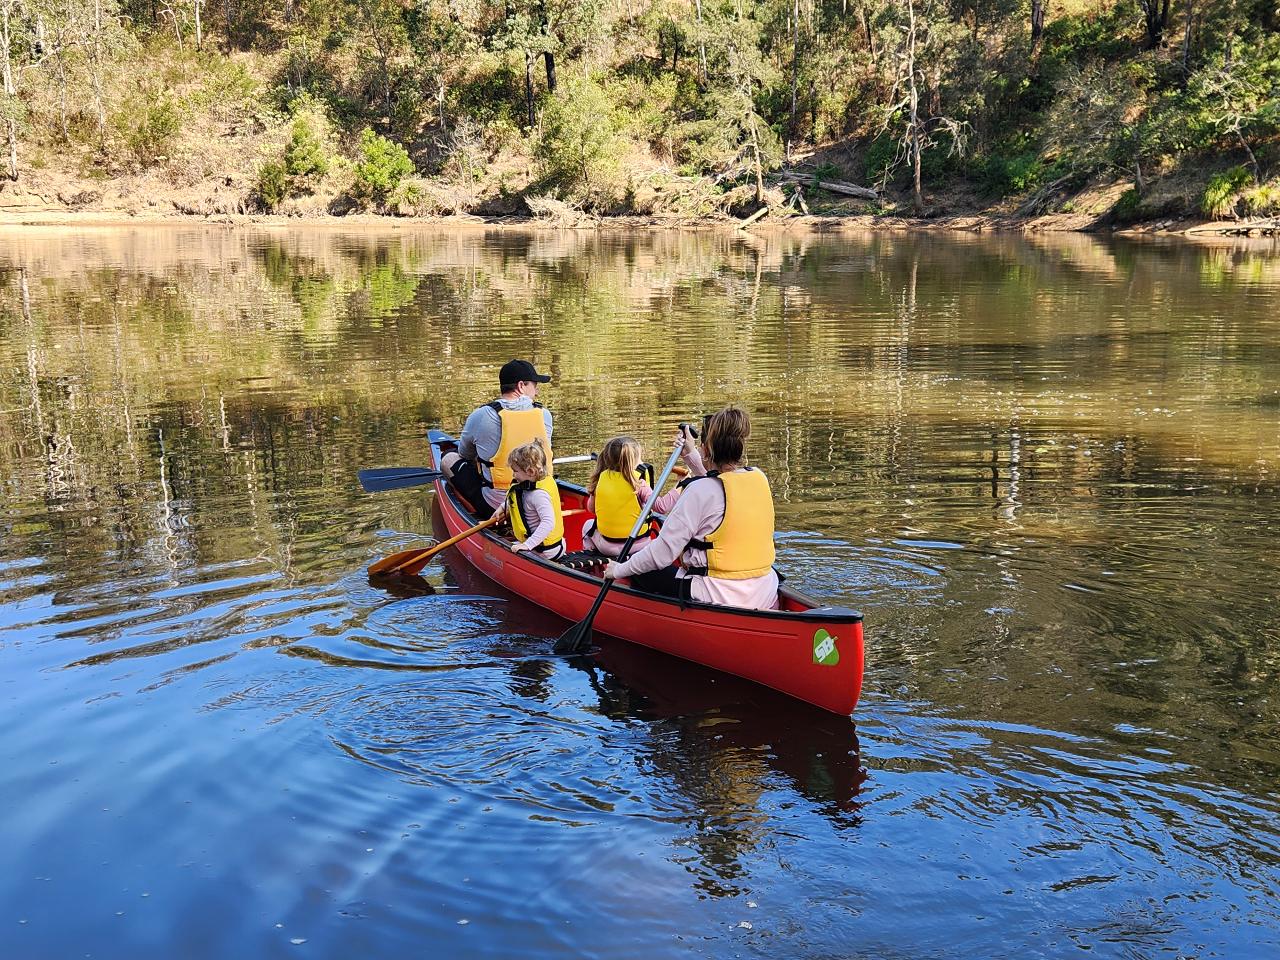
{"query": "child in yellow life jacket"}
[(619, 488), (533, 503)]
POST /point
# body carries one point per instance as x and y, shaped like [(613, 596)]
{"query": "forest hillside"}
[(1120, 110)]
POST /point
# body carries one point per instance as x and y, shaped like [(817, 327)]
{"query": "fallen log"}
[(742, 225), (832, 186), (1240, 227)]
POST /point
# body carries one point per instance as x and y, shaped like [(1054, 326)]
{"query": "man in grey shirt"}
[(482, 437)]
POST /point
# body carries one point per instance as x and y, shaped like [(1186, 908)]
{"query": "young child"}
[(619, 488), (533, 503)]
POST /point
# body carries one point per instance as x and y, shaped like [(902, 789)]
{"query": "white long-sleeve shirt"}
[(698, 512)]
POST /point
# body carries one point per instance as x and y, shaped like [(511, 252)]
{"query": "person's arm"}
[(679, 529), (540, 501), (667, 502), (546, 417), (591, 503), (467, 440), (693, 460)]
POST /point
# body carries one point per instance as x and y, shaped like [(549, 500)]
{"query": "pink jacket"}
[(699, 510)]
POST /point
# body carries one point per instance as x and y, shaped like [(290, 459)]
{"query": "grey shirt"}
[(482, 433)]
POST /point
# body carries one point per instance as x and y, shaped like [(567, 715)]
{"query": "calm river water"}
[(1047, 470)]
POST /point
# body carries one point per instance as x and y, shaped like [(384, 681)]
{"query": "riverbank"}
[(977, 222), (1088, 213)]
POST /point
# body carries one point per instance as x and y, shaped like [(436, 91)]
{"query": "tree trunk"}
[(199, 31), (528, 85), (755, 146), (917, 198), (1253, 161), (1037, 24), (95, 72), (60, 61), (11, 128), (1155, 19), (1186, 44), (10, 91), (702, 47), (795, 61), (549, 61)]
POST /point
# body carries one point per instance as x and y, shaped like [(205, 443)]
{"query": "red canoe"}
[(805, 650)]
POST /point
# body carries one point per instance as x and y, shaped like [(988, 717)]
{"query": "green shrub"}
[(1013, 174), (1223, 192), (1263, 200), (881, 153), (148, 128), (305, 156), (580, 149), (381, 166), (273, 185)]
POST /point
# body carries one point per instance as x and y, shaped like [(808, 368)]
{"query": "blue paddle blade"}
[(393, 478)]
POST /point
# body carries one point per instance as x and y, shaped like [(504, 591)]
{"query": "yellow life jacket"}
[(742, 546), (617, 505), (518, 428), (520, 525)]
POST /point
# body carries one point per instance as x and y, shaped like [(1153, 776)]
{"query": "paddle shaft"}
[(416, 560), (393, 478), (411, 567), (576, 637)]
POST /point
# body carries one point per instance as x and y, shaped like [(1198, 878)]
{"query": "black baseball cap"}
[(513, 371)]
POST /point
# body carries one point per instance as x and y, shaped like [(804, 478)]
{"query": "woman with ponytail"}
[(721, 529)]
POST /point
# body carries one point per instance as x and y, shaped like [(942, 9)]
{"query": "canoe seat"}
[(587, 560)]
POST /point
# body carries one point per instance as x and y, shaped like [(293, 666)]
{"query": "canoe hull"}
[(815, 655)]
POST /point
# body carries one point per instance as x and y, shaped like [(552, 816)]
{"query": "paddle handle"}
[(411, 566)]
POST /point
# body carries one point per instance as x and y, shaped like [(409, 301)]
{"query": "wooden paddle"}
[(393, 478), (577, 637), (409, 562)]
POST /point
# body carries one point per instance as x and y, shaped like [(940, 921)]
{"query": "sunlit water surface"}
[(1045, 469)]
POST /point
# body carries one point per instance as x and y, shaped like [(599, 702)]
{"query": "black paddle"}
[(577, 637), (393, 478)]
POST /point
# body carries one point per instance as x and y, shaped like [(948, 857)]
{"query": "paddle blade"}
[(389, 564), (393, 478), (574, 640), (416, 566)]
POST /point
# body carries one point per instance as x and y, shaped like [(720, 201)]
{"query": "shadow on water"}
[(710, 714)]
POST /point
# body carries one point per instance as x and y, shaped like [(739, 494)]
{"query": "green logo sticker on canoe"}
[(824, 649)]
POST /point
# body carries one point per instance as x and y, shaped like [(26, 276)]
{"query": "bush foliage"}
[(598, 101), (380, 167)]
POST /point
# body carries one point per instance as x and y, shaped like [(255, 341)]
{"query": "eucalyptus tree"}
[(10, 25)]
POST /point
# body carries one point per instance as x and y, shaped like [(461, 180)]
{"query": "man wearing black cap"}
[(479, 469)]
